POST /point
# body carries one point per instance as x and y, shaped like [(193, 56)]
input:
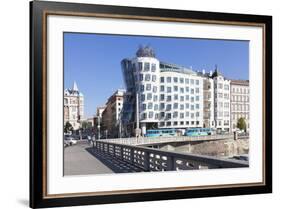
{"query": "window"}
[(220, 95), (197, 114), (162, 97), (168, 123), (162, 114), (186, 81), (197, 106), (169, 98), (175, 114), (181, 90), (155, 98), (176, 105), (141, 77), (150, 114), (197, 82), (192, 91), (187, 105), (176, 88), (226, 105), (153, 78), (142, 87), (168, 107), (147, 77), (156, 107), (220, 85), (153, 67), (142, 97), (192, 81), (181, 80), (149, 96), (197, 90), (156, 115), (192, 99), (149, 106), (187, 114), (176, 123), (226, 87), (140, 66), (182, 98), (187, 89), (162, 106), (169, 116), (144, 116), (176, 97), (154, 89), (162, 79), (192, 107), (148, 87), (169, 79), (169, 89), (175, 79), (186, 97), (226, 96), (192, 115), (146, 66), (162, 88), (136, 77), (197, 98), (143, 106), (181, 107)]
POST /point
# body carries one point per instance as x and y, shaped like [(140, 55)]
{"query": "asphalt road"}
[(78, 160)]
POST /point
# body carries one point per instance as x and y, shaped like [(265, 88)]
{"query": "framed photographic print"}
[(139, 104)]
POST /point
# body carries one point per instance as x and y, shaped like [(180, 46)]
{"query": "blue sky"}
[(93, 60)]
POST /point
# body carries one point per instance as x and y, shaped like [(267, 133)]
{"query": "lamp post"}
[(137, 131), (98, 127)]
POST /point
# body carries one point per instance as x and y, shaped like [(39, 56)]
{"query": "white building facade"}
[(73, 106), (170, 96), (221, 102)]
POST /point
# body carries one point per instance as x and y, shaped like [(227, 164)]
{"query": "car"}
[(69, 141)]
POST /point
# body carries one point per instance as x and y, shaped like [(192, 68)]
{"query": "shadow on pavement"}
[(115, 164)]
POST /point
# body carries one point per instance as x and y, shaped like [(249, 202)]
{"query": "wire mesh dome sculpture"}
[(145, 51)]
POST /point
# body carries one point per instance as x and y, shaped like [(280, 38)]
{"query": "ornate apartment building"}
[(240, 102), (73, 106)]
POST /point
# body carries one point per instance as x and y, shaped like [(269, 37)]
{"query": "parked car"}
[(69, 141)]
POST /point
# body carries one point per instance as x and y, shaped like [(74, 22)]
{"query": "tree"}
[(241, 124), (68, 127)]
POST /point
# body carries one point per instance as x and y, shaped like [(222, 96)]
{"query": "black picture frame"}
[(38, 11)]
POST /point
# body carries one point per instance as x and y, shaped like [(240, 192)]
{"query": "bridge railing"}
[(155, 140), (149, 159)]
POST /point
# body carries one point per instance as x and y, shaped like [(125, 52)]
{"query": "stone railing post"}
[(147, 161), (171, 163)]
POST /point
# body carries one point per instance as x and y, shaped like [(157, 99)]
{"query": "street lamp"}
[(98, 127)]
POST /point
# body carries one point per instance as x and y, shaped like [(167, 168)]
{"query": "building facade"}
[(221, 102), (169, 95), (240, 102), (73, 106), (110, 120), (173, 96)]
